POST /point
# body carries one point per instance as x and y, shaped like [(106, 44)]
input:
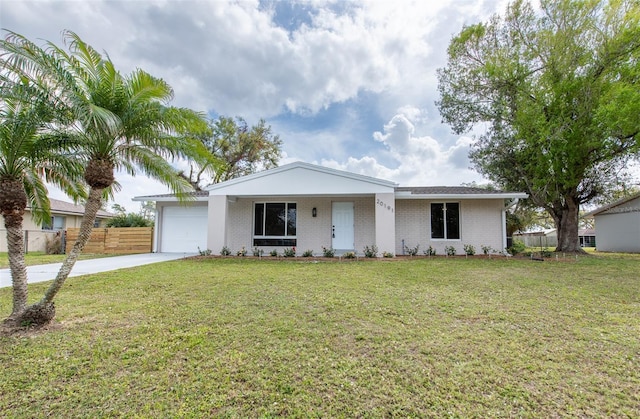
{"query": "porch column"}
[(385, 222), (217, 223)]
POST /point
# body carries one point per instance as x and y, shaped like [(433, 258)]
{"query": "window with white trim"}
[(56, 223), (445, 220), (274, 224)]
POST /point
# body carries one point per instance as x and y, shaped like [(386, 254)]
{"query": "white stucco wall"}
[(385, 222), (480, 224)]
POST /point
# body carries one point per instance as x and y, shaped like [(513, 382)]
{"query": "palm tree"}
[(29, 156), (120, 122)]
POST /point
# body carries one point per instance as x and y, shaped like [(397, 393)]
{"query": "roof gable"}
[(302, 179), (62, 207), (58, 207), (627, 204)]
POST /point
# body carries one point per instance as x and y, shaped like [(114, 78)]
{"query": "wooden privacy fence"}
[(123, 240)]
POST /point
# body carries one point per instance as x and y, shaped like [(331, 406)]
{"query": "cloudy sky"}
[(348, 85)]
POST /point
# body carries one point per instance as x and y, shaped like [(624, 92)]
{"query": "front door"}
[(343, 226)]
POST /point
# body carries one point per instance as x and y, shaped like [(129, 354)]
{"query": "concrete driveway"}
[(41, 273)]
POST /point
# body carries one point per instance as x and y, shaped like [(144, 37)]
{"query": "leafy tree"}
[(118, 121), (129, 220), (118, 209), (558, 92), (29, 157), (148, 210), (240, 150)]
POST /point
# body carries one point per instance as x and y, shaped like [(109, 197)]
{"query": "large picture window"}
[(445, 221), (274, 224)]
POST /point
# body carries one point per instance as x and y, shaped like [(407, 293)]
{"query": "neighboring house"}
[(587, 237), (63, 216), (309, 207), (618, 225)]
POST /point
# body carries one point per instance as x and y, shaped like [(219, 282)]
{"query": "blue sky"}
[(349, 85)]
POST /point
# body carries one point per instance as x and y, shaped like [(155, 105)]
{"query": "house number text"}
[(384, 205)]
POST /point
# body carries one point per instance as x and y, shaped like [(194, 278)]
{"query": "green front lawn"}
[(41, 258), (240, 337)]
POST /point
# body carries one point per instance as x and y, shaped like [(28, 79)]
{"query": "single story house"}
[(618, 225), (63, 215), (308, 207)]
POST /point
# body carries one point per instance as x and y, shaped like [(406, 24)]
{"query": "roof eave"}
[(505, 195), (168, 198)]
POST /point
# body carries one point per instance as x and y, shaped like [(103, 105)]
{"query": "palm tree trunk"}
[(44, 310), (93, 205), (15, 247)]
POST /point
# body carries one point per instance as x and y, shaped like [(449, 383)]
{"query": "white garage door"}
[(184, 229)]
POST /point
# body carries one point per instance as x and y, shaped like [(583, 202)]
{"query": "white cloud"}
[(421, 160), (233, 58)]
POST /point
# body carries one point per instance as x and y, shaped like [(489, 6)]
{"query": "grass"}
[(243, 337), (41, 258)]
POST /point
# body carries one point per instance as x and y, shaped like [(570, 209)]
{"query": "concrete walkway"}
[(41, 273)]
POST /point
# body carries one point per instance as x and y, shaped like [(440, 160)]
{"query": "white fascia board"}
[(171, 198), (408, 195)]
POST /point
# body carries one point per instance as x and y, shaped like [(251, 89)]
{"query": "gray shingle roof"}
[(63, 207), (447, 190)]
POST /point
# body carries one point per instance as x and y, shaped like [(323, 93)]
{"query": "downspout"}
[(504, 230)]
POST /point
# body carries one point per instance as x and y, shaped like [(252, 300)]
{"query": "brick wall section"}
[(412, 224), (480, 221), (365, 213), (313, 233), (480, 224), (239, 225)]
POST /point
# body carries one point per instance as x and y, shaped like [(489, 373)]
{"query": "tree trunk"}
[(567, 227), (15, 247), (44, 311)]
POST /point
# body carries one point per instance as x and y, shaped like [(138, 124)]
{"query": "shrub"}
[(546, 253), (450, 250), (307, 254), (517, 247), (257, 252), (349, 255), (289, 252), (469, 249), (242, 252), (273, 253), (225, 251), (129, 220), (411, 251), (486, 249), (328, 252), (370, 252), (430, 251), (53, 245), (205, 252), (387, 255)]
